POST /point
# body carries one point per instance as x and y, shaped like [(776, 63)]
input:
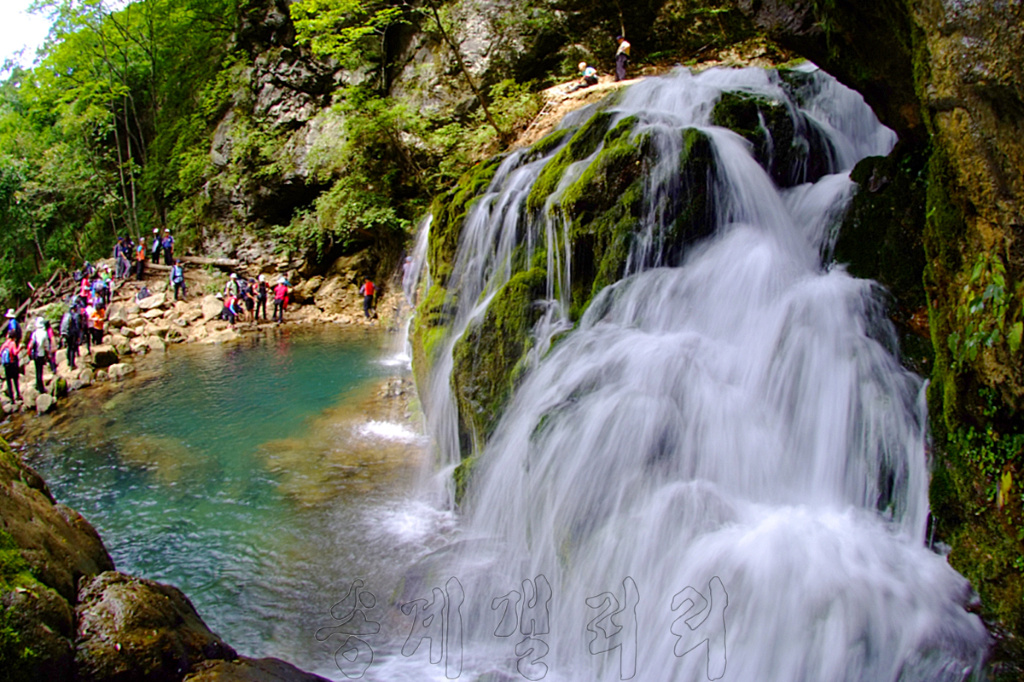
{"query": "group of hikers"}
[(84, 321), (244, 299), (130, 257)]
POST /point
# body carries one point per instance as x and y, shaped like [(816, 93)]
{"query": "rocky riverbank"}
[(136, 327)]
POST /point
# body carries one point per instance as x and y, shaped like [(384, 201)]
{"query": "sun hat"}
[(582, 66), (10, 313), (262, 278)]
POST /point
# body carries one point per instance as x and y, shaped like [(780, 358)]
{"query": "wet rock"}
[(120, 370), (222, 336), (103, 356), (44, 623), (135, 629), (44, 403), (250, 670), (156, 344)]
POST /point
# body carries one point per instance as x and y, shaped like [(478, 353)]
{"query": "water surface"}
[(260, 478)]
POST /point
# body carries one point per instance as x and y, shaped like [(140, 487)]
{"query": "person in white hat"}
[(154, 250), (39, 351), (261, 298), (13, 325)]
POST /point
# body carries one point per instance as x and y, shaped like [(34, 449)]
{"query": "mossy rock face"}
[(881, 238), (450, 211), (490, 358), (584, 142), (787, 143)]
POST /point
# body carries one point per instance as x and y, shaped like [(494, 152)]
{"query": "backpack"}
[(5, 356), (177, 276)]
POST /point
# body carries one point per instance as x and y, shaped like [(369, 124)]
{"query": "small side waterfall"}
[(719, 471)]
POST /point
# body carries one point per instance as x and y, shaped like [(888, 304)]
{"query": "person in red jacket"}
[(367, 290)]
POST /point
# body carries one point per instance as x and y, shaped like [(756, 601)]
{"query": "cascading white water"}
[(724, 452)]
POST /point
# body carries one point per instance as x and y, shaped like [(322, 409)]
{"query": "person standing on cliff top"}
[(621, 58)]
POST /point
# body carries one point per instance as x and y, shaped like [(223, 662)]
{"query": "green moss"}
[(462, 475), (547, 144), (583, 143), (15, 658), (490, 358), (450, 210), (791, 152)]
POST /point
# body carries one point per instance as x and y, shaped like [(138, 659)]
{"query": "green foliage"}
[(351, 31), (988, 312)]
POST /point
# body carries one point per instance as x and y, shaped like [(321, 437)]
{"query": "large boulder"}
[(56, 541), (212, 307), (153, 301), (103, 356), (135, 629)]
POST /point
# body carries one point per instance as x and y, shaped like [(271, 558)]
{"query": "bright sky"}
[(19, 29)]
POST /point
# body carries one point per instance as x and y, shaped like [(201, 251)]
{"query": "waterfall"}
[(719, 471)]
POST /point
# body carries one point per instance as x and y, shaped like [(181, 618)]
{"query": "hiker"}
[(70, 329), (621, 58), (367, 290), (100, 291), (231, 286), (230, 310), (588, 77), (13, 325), (9, 360), (96, 320), (39, 351), (280, 300), (52, 355), (154, 250), (178, 279), (140, 260), (168, 246), (248, 299), (261, 298)]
